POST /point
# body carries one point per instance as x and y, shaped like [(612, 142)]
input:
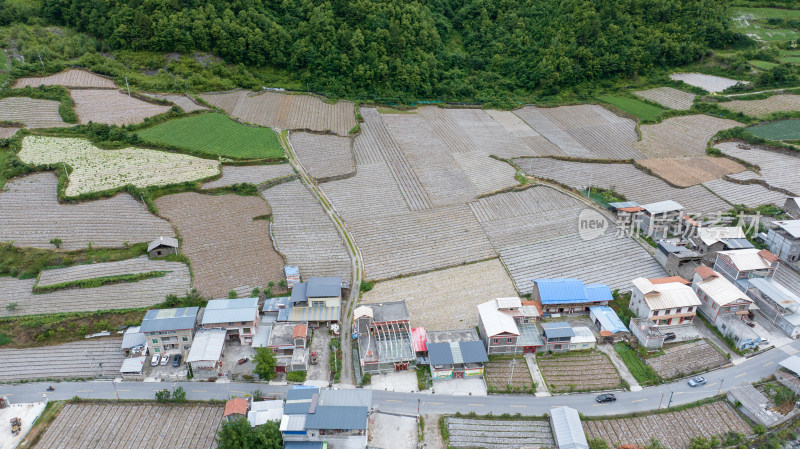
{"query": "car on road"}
[(608, 397), (176, 360), (155, 359), (695, 381), (669, 336), (165, 360)]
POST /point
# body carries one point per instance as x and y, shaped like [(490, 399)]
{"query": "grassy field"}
[(780, 130), (633, 106), (643, 373), (764, 65), (215, 134), (753, 21)]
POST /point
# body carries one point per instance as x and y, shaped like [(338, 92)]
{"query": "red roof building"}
[(420, 339)]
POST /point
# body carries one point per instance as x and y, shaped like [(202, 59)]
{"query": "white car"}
[(155, 359), (165, 360)]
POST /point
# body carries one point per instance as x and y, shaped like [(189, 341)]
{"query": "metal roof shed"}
[(324, 287), (557, 330), (792, 364), (607, 318), (461, 352), (662, 207), (133, 338), (567, 428), (230, 310), (133, 365), (337, 418), (206, 348), (169, 242), (169, 319), (560, 291)]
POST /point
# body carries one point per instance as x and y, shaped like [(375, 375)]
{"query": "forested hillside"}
[(416, 48)]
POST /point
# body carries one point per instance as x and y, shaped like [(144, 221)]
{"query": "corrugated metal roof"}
[(230, 310), (567, 428), (324, 287), (362, 311), (737, 243), (132, 338), (662, 207), (162, 241), (746, 259), (621, 204), (792, 364), (715, 234), (305, 444), (258, 406), (275, 304), (293, 422), (420, 339), (559, 329), (666, 296), (609, 320), (338, 417), (440, 354), (790, 226), (583, 335), (133, 365), (348, 398), (259, 418), (494, 321), (449, 353), (775, 291), (299, 293), (169, 319), (598, 292), (313, 314), (509, 303), (207, 345), (722, 291), (570, 291)]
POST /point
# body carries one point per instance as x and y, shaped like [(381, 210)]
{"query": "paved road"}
[(649, 398)]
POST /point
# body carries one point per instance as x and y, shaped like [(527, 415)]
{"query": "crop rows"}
[(323, 156), (126, 295), (68, 78), (251, 174), (33, 113), (709, 83), (778, 169), (685, 172), (746, 175), (538, 144), (534, 117), (427, 295), (97, 270), (304, 233), (227, 247), (683, 359), (498, 373), (32, 216), (625, 179), (572, 257), (419, 241), (686, 135), (447, 129), (79, 359), (674, 430), (668, 97), (372, 192), (6, 132), (96, 170), (492, 434), (131, 426), (762, 108), (486, 174), (751, 195), (568, 371), (112, 107), (184, 101), (492, 137)]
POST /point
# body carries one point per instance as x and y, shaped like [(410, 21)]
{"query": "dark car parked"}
[(608, 397), (176, 360), (669, 336)]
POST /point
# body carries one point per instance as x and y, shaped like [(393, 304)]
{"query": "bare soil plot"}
[(79, 359), (751, 195), (591, 261), (538, 144), (96, 170), (486, 174), (251, 174), (709, 83), (682, 359), (625, 179), (372, 192), (687, 135), (112, 107), (420, 241), (228, 249), (6, 132), (498, 372), (98, 270), (126, 295), (567, 371), (668, 97), (429, 296), (494, 434), (490, 136), (277, 110), (184, 101), (68, 78), (447, 129), (762, 108), (323, 156), (32, 216), (304, 234), (778, 169), (685, 172), (31, 112), (121, 426), (674, 430)]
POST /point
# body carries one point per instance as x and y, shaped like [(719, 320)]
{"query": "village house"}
[(792, 207), (170, 330), (709, 241), (239, 317), (661, 219), (647, 333), (334, 418), (569, 296), (317, 301), (162, 246), (507, 326), (132, 367), (783, 239), (626, 213), (235, 408), (677, 260), (261, 412), (743, 264), (777, 303), (583, 339), (719, 296), (667, 303), (384, 337), (557, 336), (204, 359), (288, 342), (455, 354), (608, 323)]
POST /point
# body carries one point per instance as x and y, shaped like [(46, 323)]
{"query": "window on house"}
[(157, 349), (247, 330), (155, 340), (244, 322), (230, 324), (184, 339), (508, 340), (714, 306), (496, 341)]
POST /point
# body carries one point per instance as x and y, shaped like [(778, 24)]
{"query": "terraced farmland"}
[(372, 192), (493, 434), (112, 107), (709, 83), (751, 195), (304, 233), (121, 426), (31, 112), (779, 130), (251, 174), (778, 169), (447, 129), (571, 257), (74, 273), (228, 249), (685, 172), (79, 359), (686, 135), (538, 144), (277, 110), (32, 216), (323, 156), (762, 108), (490, 136), (567, 371), (419, 241), (96, 170), (428, 296), (625, 179), (668, 97), (68, 78), (683, 359), (184, 101)]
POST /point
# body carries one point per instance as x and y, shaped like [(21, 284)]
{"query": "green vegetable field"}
[(633, 106), (644, 374), (780, 130), (215, 134)]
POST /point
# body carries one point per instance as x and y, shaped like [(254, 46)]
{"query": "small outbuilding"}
[(583, 339), (607, 322), (567, 428), (132, 368), (162, 246), (206, 352), (236, 408)]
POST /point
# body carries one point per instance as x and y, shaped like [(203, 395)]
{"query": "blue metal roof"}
[(738, 243), (449, 353), (299, 292), (274, 304), (324, 287), (304, 445), (169, 319), (598, 292), (303, 392), (338, 417), (231, 310), (557, 330), (440, 354), (609, 320), (570, 291)]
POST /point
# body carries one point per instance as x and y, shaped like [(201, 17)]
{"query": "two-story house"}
[(783, 239), (239, 317), (384, 337), (740, 265), (170, 330), (626, 213), (332, 418), (317, 301), (508, 326), (662, 219), (569, 296), (719, 297), (666, 304), (557, 336), (777, 303), (709, 241)]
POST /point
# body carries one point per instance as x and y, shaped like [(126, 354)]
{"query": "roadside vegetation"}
[(643, 374)]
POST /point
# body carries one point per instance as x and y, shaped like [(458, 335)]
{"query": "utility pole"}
[(115, 389), (670, 398), (720, 386)]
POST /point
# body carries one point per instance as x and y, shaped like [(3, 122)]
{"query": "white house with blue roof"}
[(318, 300), (239, 317), (569, 296), (170, 330)]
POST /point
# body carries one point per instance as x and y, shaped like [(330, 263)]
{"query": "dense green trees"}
[(238, 434), (416, 48)]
